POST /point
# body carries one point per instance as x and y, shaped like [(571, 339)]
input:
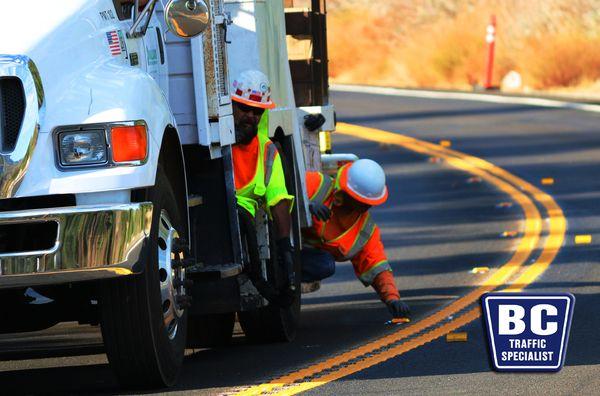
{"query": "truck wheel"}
[(271, 323), (143, 317), (210, 330)]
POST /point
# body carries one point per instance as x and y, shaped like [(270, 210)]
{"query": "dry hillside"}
[(553, 44)]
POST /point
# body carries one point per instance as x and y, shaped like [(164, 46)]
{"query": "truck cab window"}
[(123, 8)]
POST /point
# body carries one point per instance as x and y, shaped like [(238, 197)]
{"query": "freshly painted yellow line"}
[(382, 357), (504, 181)]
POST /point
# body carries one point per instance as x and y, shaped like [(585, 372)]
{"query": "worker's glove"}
[(286, 255), (319, 210), (398, 308), (312, 122)]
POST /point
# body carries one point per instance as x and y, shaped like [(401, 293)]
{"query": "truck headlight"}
[(82, 147)]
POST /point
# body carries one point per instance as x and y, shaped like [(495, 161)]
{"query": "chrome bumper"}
[(92, 242)]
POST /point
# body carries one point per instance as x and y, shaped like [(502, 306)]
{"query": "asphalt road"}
[(438, 224)]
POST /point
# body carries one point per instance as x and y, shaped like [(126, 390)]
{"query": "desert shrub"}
[(441, 43)]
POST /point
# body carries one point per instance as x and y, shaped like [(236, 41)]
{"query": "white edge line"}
[(466, 96)]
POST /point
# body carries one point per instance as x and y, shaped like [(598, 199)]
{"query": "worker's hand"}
[(398, 309), (319, 210), (312, 122)]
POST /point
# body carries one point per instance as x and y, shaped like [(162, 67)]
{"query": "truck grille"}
[(12, 109)]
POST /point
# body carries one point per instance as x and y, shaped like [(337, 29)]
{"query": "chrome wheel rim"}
[(171, 276)]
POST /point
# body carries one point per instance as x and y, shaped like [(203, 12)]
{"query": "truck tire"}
[(272, 323), (143, 316), (210, 330)]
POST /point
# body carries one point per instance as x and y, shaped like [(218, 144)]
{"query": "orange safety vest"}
[(361, 243)]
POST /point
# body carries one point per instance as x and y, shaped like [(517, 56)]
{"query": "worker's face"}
[(349, 203), (245, 119)]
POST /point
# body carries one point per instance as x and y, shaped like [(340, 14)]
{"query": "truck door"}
[(156, 62)]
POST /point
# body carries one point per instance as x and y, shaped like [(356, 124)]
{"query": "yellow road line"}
[(382, 357), (504, 181)]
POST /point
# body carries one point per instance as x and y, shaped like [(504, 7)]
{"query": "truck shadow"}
[(331, 325)]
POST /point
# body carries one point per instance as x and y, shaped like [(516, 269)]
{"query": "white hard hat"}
[(364, 180), (252, 88)]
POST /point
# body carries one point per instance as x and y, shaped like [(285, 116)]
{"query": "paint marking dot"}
[(445, 143), (435, 160), (509, 234), (547, 181), (583, 239), (397, 321), (457, 337), (502, 205), (480, 270), (474, 179)]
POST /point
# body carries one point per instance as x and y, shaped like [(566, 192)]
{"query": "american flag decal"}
[(114, 43)]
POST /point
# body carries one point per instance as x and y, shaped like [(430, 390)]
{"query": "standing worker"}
[(257, 165), (343, 230)]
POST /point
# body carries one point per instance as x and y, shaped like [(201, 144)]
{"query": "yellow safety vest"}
[(268, 183)]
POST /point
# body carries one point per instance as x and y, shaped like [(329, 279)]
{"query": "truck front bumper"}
[(91, 243)]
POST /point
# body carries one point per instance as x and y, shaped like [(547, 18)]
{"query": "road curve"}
[(441, 221)]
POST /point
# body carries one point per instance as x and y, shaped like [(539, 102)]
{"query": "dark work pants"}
[(316, 264)]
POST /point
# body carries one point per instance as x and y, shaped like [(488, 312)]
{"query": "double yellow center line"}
[(466, 308)]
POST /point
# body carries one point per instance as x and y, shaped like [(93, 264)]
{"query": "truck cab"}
[(117, 195)]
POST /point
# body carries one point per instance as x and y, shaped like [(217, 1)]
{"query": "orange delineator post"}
[(490, 38)]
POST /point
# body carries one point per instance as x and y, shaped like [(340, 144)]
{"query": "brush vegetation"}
[(553, 44)]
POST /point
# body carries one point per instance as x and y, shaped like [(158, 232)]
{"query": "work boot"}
[(309, 287)]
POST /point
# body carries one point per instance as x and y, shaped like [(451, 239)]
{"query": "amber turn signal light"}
[(129, 143)]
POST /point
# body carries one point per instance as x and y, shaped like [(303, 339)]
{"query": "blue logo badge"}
[(528, 331)]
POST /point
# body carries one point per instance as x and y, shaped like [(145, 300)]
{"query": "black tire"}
[(140, 350), (210, 330), (271, 323)]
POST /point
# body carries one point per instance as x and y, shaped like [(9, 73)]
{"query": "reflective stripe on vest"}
[(269, 160), (364, 235), (324, 189)]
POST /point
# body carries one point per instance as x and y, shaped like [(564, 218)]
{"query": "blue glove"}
[(398, 309), (320, 211)]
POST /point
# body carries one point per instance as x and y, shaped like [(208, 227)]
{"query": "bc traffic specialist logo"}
[(527, 331)]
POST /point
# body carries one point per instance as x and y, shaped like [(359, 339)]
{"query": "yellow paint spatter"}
[(480, 270)]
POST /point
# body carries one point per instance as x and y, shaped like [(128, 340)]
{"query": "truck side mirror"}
[(187, 18)]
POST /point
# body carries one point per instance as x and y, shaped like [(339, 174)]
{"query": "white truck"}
[(117, 199)]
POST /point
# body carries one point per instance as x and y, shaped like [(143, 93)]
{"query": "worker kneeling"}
[(259, 176), (343, 230)]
